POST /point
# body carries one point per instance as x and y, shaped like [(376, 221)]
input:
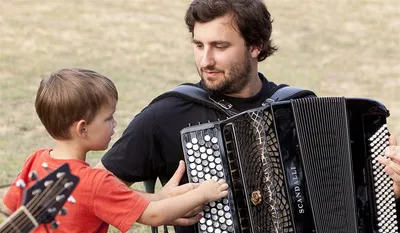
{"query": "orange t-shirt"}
[(101, 199)]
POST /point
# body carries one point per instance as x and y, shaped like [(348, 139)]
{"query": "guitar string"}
[(47, 192), (26, 223), (49, 202)]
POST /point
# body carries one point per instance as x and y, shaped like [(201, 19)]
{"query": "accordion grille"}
[(262, 174)]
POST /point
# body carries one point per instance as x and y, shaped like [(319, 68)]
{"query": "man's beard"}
[(236, 78)]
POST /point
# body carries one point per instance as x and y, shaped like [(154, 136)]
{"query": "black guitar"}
[(42, 202)]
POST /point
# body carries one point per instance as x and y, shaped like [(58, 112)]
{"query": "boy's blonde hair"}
[(70, 95)]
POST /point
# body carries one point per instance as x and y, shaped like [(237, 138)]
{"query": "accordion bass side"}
[(302, 166)]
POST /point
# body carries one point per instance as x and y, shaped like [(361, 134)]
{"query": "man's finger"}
[(195, 211), (186, 221), (392, 141), (176, 178), (392, 168), (393, 152)]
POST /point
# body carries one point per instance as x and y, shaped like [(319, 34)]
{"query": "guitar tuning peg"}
[(71, 199), (55, 224), (47, 183), (33, 175), (20, 184), (63, 211), (68, 185), (51, 210), (45, 165), (60, 197), (36, 192), (60, 174)]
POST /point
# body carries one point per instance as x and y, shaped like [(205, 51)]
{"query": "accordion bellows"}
[(301, 166)]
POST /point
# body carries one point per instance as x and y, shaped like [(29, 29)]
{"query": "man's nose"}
[(207, 59)]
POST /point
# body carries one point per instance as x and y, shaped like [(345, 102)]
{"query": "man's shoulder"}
[(170, 100)]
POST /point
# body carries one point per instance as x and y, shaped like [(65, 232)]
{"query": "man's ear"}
[(81, 128), (255, 51)]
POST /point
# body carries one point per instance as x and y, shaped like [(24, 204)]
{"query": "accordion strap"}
[(195, 94)]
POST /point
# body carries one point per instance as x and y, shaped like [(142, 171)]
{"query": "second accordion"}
[(300, 166)]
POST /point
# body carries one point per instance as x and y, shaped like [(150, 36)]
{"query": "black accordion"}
[(303, 166)]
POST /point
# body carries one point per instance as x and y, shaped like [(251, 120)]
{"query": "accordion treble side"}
[(306, 165)]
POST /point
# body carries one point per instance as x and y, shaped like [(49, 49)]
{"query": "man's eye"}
[(221, 46)]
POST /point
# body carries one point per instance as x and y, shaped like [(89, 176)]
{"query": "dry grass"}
[(337, 48)]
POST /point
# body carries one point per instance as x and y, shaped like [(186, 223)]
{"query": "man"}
[(229, 38)]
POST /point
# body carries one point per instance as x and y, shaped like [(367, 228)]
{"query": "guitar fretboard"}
[(19, 226)]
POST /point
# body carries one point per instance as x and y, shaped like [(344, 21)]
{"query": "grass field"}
[(336, 48)]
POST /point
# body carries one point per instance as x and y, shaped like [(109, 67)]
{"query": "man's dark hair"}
[(251, 16)]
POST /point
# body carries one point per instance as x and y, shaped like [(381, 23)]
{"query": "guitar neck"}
[(21, 221)]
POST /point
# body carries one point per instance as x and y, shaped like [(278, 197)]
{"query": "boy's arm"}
[(167, 210), (170, 189)]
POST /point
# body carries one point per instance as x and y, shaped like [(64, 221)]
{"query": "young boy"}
[(76, 106)]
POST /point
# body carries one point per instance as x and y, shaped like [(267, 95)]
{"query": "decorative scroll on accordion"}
[(301, 166)]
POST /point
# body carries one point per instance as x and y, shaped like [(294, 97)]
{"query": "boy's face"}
[(100, 130)]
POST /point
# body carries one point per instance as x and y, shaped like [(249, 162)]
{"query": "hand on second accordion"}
[(392, 163)]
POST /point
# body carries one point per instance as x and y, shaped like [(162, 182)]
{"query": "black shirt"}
[(150, 146)]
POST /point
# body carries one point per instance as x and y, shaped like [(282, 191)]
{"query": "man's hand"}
[(393, 164), (172, 188)]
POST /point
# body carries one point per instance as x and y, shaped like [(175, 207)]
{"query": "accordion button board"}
[(385, 204), (202, 152)]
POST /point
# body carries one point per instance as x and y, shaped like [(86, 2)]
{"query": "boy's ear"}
[(81, 128)]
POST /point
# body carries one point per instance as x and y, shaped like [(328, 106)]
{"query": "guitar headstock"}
[(45, 199)]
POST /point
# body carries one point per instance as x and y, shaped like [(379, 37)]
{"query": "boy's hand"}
[(213, 190)]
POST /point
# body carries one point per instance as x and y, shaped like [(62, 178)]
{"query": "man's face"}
[(221, 55)]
